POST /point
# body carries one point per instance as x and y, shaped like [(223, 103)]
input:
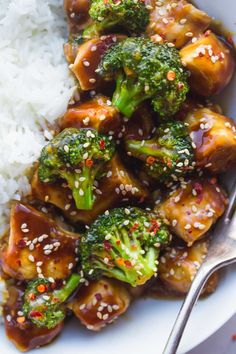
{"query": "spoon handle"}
[(185, 311)]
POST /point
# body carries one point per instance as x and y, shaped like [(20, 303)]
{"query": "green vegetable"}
[(144, 70), (78, 156), (130, 14), (124, 245), (169, 154), (44, 306)]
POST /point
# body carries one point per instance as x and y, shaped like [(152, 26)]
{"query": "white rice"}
[(34, 87)]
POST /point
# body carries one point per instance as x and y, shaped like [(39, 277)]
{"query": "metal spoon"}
[(222, 252)]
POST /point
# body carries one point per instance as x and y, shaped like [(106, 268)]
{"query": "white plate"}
[(147, 324)]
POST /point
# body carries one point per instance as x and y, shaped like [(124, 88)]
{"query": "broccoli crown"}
[(124, 244), (43, 305), (145, 70), (77, 155), (133, 15), (40, 305), (168, 155)]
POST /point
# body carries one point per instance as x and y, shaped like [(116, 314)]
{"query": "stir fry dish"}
[(125, 194)]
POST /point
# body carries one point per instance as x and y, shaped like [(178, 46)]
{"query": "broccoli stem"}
[(96, 28), (128, 95), (71, 284), (81, 185), (149, 148)]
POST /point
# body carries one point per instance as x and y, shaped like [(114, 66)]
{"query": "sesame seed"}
[(81, 192), (31, 258), (70, 266), (105, 317), (99, 315), (115, 307), (66, 148), (86, 63), (174, 222), (187, 226), (82, 306), (183, 21), (189, 34)]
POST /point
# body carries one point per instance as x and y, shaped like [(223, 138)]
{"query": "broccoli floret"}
[(43, 305), (168, 155), (144, 70), (124, 245), (130, 14), (78, 156)]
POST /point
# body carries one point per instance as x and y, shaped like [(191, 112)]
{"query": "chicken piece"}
[(178, 267), (214, 138), (37, 246), (88, 58), (193, 208), (176, 22), (97, 113), (118, 187), (77, 12), (210, 62), (19, 330), (141, 125), (100, 303)]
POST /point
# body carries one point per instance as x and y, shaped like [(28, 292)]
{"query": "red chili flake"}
[(128, 264), (120, 261), (21, 319), (169, 162), (198, 187), (31, 296), (89, 163), (155, 226), (118, 242), (107, 245), (141, 200), (41, 288), (207, 33), (150, 160), (180, 85), (171, 75), (35, 314), (230, 39), (234, 336), (213, 180), (21, 243), (102, 144), (98, 296), (134, 227)]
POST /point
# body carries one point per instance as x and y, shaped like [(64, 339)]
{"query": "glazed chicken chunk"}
[(97, 113), (77, 14), (210, 62), (193, 208), (37, 246), (88, 58), (178, 267), (119, 186), (176, 22), (100, 303), (214, 139)]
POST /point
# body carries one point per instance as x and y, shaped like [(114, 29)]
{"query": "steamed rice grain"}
[(35, 88)]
